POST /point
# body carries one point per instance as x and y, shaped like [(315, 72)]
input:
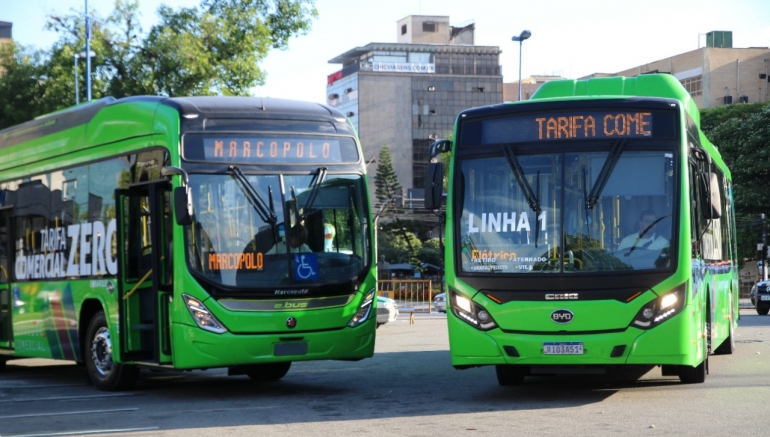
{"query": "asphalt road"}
[(407, 389)]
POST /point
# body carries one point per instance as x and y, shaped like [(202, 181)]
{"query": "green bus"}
[(587, 229), (152, 232)]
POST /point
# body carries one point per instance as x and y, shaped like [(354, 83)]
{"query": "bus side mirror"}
[(182, 206), (439, 146), (711, 200), (434, 185)]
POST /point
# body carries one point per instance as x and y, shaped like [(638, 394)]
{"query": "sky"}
[(571, 38)]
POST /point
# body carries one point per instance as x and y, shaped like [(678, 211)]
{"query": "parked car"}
[(387, 310), (760, 297), (439, 302)]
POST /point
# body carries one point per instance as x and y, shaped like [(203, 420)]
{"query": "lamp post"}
[(79, 56), (524, 35)]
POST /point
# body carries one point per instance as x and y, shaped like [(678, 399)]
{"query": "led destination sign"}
[(569, 126), (269, 149)]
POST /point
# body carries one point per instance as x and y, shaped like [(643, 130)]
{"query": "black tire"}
[(508, 374), (2, 364), (268, 372), (697, 374), (763, 311), (102, 371), (694, 375)]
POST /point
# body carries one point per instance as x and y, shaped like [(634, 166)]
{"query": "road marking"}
[(95, 431), (67, 398), (67, 413), (12, 387)]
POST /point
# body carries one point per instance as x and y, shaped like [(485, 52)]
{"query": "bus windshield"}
[(278, 230), (606, 209)]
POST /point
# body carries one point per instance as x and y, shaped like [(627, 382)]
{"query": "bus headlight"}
[(661, 309), (202, 316), (363, 310), (472, 313)]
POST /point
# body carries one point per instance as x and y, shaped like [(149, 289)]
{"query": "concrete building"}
[(528, 87), (717, 74), (408, 93), (6, 31)]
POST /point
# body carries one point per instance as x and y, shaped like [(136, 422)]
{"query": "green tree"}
[(387, 187), (742, 133), (212, 49), (21, 92), (399, 247), (430, 252)]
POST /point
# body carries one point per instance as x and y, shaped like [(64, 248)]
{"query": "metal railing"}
[(411, 295)]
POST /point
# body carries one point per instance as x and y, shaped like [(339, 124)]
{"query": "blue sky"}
[(569, 37)]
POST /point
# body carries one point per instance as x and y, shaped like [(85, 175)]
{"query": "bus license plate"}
[(764, 297), (563, 348), (284, 349)]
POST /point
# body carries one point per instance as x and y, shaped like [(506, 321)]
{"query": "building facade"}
[(715, 75), (6, 31), (404, 95)]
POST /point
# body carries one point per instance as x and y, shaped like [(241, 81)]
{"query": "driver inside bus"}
[(297, 237), (645, 238)]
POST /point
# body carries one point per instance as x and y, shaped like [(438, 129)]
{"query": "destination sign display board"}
[(269, 149), (572, 125)]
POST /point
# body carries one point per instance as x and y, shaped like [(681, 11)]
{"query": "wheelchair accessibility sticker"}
[(305, 267)]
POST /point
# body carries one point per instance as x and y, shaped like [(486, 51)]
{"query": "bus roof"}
[(646, 85), (205, 107)]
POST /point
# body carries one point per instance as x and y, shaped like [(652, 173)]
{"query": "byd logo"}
[(562, 316)]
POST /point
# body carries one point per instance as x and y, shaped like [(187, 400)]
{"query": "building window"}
[(428, 26), (694, 85), (479, 89), (403, 29)]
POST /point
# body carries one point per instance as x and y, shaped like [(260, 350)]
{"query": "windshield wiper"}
[(585, 196), (604, 174), (266, 211), (644, 232), (532, 200), (315, 187)]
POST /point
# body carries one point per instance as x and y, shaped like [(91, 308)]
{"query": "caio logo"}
[(562, 316)]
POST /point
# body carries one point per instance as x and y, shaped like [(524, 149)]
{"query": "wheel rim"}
[(101, 352)]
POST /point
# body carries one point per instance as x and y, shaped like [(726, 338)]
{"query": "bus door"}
[(144, 256), (6, 300)]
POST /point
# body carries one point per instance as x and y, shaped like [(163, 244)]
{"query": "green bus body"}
[(136, 233), (555, 278)]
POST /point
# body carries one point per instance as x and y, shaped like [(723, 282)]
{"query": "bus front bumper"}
[(672, 342), (195, 348)]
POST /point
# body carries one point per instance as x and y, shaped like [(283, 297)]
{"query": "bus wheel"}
[(102, 371), (510, 374), (2, 364), (268, 372), (694, 375)]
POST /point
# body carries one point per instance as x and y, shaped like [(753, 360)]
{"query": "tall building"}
[(408, 93)]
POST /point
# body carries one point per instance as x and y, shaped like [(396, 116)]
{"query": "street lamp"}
[(77, 56), (524, 35)]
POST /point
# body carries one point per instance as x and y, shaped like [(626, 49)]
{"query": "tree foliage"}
[(399, 246), (742, 134), (212, 49), (386, 182)]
